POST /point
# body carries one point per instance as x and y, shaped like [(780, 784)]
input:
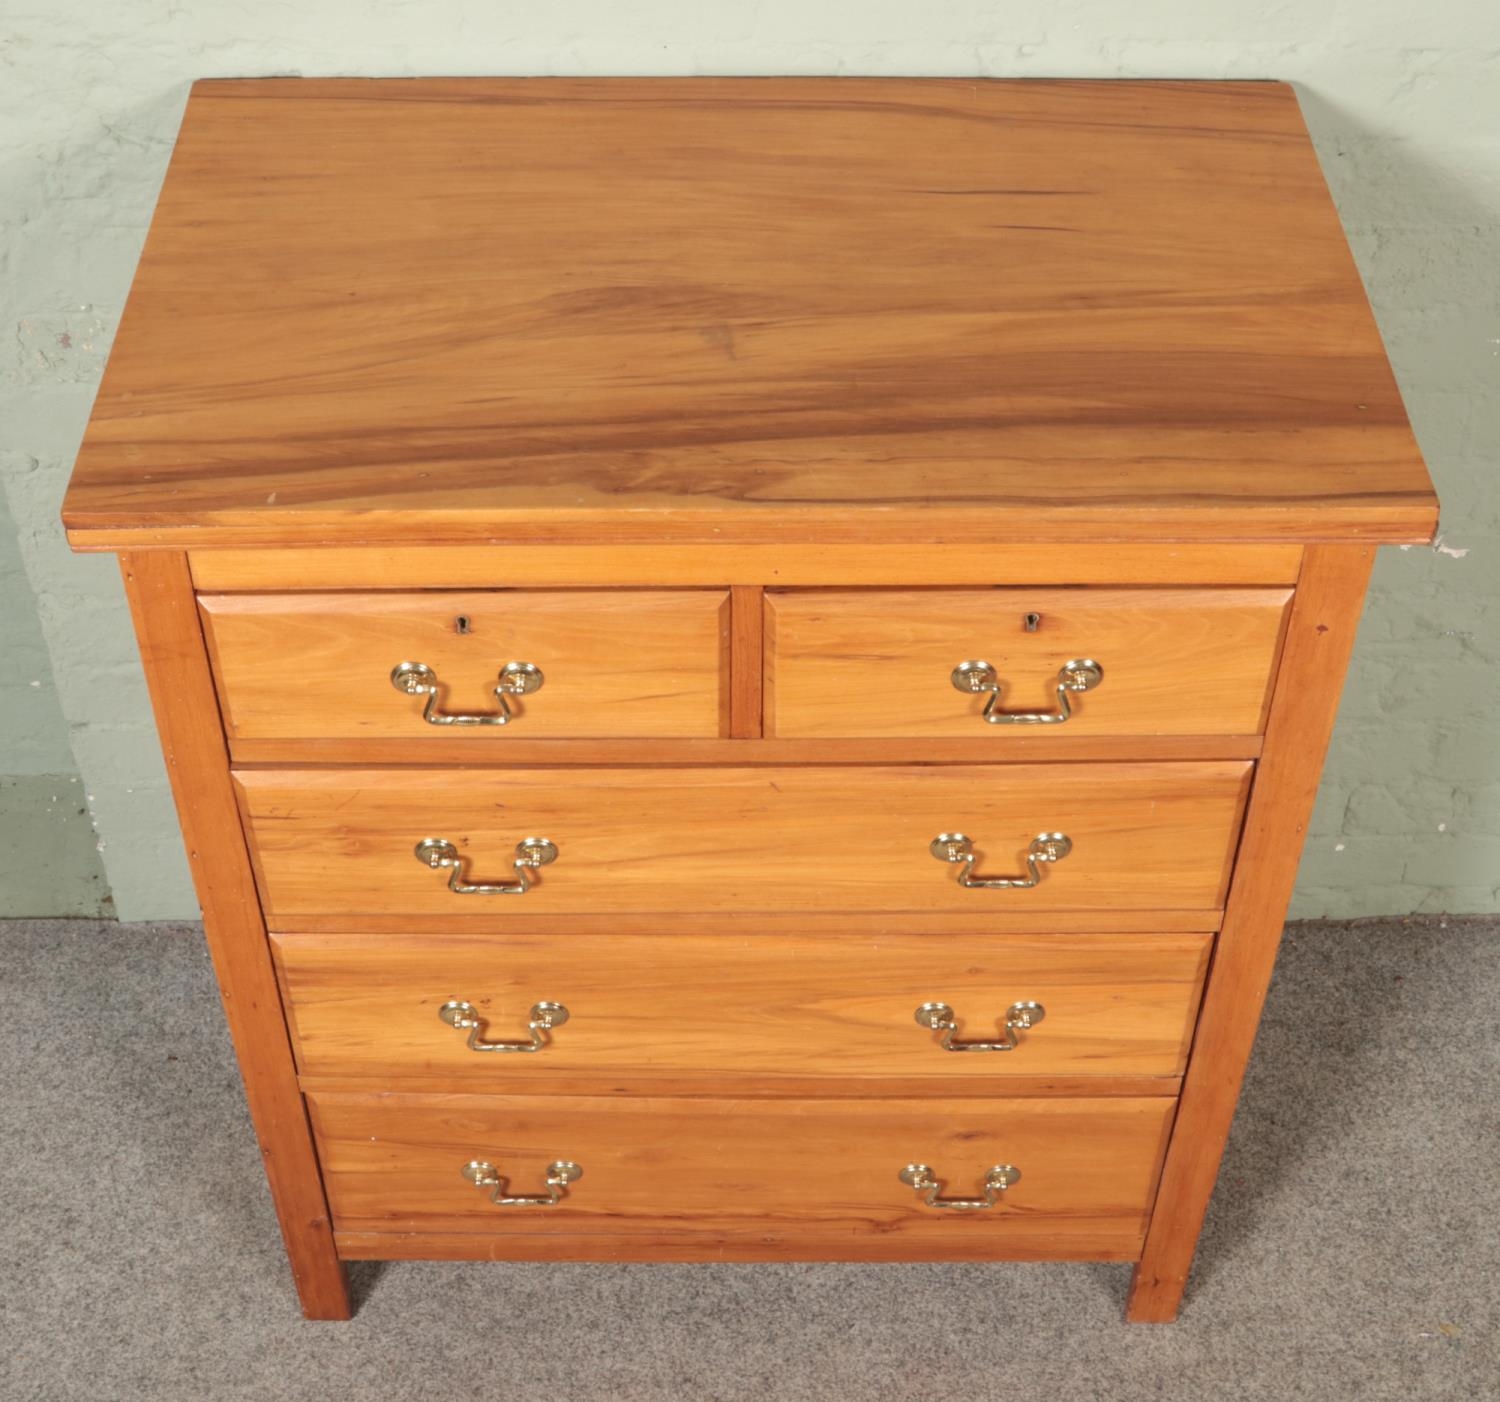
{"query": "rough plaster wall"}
[(1403, 100), (35, 737), (49, 863)]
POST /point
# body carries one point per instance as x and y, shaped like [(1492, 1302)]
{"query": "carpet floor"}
[(1350, 1253)]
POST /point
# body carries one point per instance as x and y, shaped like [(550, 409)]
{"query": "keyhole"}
[(1033, 621), (461, 623)]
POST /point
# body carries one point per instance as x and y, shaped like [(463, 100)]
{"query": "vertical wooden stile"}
[(159, 588), (1320, 638)]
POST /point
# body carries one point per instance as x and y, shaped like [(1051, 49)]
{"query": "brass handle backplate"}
[(942, 1019), (559, 1175), (1045, 847), (531, 853), (977, 677), (929, 1186), (418, 679), (459, 1013)]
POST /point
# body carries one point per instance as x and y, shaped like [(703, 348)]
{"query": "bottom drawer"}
[(663, 1178)]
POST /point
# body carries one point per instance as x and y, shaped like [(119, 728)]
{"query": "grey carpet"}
[(1350, 1252)]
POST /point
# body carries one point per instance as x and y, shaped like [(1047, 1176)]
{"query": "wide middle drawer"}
[(1157, 836), (471, 1008)]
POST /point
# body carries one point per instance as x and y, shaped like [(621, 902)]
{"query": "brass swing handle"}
[(941, 1018), (1045, 847), (975, 678), (929, 1186), (559, 1175), (531, 852), (463, 1015), (418, 679)]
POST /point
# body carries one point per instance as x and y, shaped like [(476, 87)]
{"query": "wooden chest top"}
[(741, 310)]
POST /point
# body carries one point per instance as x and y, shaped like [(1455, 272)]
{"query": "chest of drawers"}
[(744, 663)]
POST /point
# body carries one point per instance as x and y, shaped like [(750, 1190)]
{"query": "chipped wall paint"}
[(1404, 104)]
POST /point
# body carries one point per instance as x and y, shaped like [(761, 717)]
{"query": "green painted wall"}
[(1404, 105), (49, 858)]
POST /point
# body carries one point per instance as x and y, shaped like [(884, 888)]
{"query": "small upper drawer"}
[(588, 663), (882, 662)]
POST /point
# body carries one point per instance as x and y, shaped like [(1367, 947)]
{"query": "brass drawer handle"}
[(974, 678), (459, 1013), (928, 1186), (531, 852), (941, 1018), (418, 679), (559, 1175), (1045, 847)]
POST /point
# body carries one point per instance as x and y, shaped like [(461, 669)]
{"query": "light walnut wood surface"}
[(663, 564), (758, 1005), (662, 1167), (879, 662), (669, 1240), (615, 663), (749, 922), (1028, 745), (745, 311), (809, 839), (1016, 1085), (746, 661)]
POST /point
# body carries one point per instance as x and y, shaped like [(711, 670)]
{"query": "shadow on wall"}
[(49, 863), (72, 221), (1408, 819)]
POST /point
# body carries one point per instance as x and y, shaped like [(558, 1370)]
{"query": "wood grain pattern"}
[(721, 1008), (656, 1168), (1320, 638), (667, 1241), (1029, 745), (747, 661), (625, 566), (747, 922), (811, 1087), (753, 839), (616, 663), (187, 719), (878, 662), (766, 310)]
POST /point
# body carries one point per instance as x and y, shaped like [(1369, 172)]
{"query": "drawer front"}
[(1088, 1167), (880, 662), (765, 1005), (612, 663), (1144, 836)]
